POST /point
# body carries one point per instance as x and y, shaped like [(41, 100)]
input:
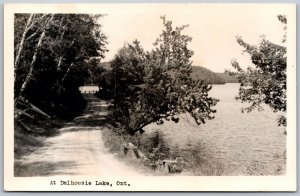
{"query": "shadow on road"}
[(95, 113), (44, 168)]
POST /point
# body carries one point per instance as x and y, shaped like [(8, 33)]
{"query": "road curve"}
[(78, 149)]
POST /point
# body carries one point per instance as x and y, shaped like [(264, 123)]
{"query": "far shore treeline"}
[(198, 73)]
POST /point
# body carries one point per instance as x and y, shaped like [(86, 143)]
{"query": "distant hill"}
[(227, 78), (199, 73), (209, 77)]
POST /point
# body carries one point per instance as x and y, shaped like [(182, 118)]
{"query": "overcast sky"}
[(213, 28)]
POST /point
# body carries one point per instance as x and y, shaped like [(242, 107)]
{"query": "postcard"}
[(150, 97)]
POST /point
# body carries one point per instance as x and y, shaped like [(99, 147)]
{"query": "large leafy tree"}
[(52, 59), (265, 81), (153, 86)]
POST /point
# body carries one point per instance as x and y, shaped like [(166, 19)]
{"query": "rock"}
[(168, 166), (131, 151)]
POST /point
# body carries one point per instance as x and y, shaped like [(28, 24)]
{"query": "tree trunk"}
[(29, 75), (59, 62), (61, 55), (66, 74), (22, 40)]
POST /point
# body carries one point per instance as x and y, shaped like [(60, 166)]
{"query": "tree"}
[(155, 86), (35, 53), (265, 82), (52, 59)]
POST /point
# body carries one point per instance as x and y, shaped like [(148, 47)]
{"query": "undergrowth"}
[(191, 159)]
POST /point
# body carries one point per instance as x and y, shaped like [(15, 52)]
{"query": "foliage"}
[(53, 57), (156, 86), (265, 83), (96, 72)]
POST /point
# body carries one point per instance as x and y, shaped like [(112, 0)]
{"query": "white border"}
[(201, 183)]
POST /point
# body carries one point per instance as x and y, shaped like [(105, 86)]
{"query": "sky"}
[(213, 28)]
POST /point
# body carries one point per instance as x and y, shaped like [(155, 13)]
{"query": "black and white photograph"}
[(150, 97)]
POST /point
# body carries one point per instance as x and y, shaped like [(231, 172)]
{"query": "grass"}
[(114, 140), (26, 141)]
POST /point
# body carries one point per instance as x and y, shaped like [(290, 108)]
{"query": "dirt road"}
[(78, 149)]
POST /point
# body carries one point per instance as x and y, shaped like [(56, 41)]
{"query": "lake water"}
[(242, 141)]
